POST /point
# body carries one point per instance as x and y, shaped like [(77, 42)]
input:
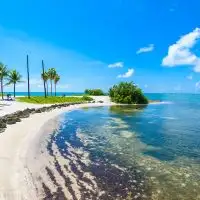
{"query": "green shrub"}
[(127, 93), (87, 98), (94, 92)]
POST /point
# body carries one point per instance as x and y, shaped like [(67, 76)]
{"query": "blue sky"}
[(95, 44)]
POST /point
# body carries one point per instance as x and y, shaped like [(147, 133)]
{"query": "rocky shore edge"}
[(15, 117)]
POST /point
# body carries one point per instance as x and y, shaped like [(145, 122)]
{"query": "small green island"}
[(127, 93)]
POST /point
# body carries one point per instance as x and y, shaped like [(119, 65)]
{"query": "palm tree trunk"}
[(51, 87), (45, 93), (55, 89), (27, 63), (14, 90), (2, 88), (47, 88)]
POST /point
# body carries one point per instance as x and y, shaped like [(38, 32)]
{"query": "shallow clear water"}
[(148, 152)]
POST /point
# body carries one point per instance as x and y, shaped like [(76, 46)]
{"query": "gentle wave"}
[(162, 102)]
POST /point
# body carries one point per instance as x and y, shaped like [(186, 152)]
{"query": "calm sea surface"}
[(148, 152)]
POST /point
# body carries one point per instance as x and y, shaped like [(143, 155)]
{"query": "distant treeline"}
[(94, 92)]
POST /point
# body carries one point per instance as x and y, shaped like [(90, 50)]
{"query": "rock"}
[(38, 110), (24, 115), (2, 124), (2, 130), (30, 110), (11, 120), (17, 118)]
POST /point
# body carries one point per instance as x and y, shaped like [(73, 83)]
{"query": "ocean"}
[(130, 152)]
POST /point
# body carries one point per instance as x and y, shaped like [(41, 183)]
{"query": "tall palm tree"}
[(14, 77), (47, 84), (3, 73), (52, 74), (56, 79), (45, 77)]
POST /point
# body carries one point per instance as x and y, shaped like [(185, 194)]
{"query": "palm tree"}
[(52, 74), (3, 73), (14, 77), (45, 77), (56, 79), (47, 85)]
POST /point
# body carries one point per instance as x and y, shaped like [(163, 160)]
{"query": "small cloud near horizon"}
[(128, 74), (149, 48)]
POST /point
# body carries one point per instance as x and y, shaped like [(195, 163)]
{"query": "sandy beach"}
[(18, 145)]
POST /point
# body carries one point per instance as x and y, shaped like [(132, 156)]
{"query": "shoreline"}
[(18, 145), (15, 144)]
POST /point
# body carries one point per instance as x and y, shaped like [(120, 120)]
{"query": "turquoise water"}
[(150, 152)]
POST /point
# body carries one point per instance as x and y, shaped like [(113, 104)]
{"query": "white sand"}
[(15, 144)]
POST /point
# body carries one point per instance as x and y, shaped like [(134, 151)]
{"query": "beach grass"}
[(53, 99)]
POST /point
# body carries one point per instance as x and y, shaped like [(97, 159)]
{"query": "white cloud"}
[(189, 77), (180, 52), (146, 49), (128, 74), (116, 65)]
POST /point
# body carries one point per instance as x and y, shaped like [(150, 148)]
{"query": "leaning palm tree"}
[(52, 74), (56, 79), (45, 77), (14, 77), (3, 73)]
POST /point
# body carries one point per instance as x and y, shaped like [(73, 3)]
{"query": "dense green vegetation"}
[(127, 93), (94, 92), (87, 98), (53, 99)]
